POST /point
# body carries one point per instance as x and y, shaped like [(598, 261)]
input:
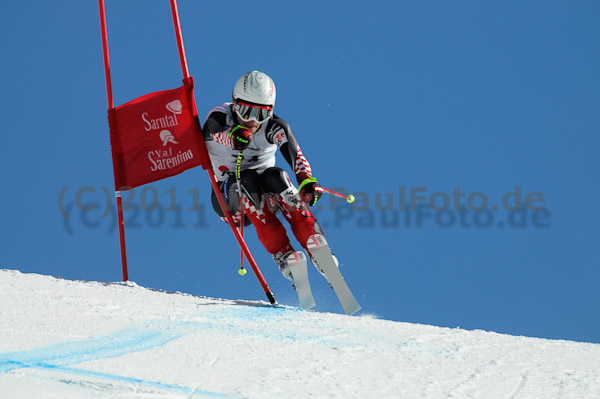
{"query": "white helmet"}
[(255, 87), (254, 97)]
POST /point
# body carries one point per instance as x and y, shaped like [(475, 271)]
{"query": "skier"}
[(248, 125)]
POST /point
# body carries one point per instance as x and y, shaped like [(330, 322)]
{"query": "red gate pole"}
[(179, 37), (111, 105), (213, 179)]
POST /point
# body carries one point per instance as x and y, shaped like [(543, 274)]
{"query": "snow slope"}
[(74, 339)]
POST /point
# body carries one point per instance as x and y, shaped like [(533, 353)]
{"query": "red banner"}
[(156, 136)]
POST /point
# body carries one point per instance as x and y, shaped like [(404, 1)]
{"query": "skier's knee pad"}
[(275, 180)]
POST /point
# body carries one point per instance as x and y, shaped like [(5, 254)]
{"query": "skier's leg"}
[(269, 229), (302, 221), (272, 235), (232, 201), (304, 224)]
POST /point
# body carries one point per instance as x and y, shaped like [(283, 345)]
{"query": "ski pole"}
[(349, 198), (238, 175)]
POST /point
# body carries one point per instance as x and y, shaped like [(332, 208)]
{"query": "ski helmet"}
[(254, 96)]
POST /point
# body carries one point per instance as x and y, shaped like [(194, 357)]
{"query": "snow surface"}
[(75, 339)]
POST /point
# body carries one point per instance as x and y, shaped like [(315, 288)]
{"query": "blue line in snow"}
[(137, 381), (58, 357), (118, 344)]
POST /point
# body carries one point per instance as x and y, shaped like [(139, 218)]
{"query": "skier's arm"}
[(216, 129), (281, 134)]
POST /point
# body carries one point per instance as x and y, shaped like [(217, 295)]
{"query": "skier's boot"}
[(329, 265), (293, 267), (281, 258), (312, 243)]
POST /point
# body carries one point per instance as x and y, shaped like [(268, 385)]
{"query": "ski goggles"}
[(252, 112)]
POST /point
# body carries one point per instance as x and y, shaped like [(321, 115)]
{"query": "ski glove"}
[(309, 188), (240, 137)]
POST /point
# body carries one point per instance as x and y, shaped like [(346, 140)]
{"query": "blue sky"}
[(426, 96)]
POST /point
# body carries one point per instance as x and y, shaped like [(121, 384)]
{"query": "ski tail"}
[(319, 249), (297, 264)]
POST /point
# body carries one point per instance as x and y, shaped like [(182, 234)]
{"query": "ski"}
[(320, 251), (297, 265)]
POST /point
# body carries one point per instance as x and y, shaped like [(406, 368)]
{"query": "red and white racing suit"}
[(267, 188)]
